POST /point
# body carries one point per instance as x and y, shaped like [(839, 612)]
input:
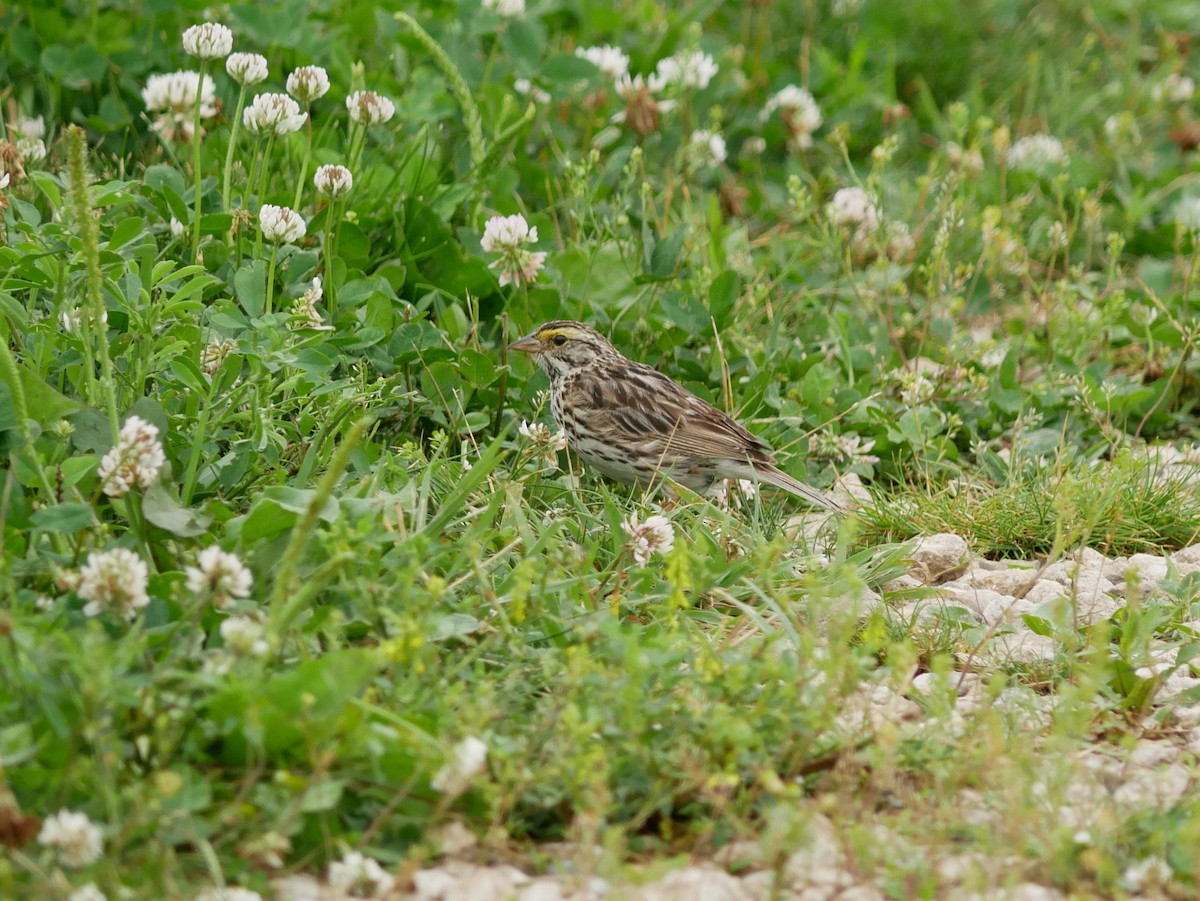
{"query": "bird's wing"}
[(640, 404)]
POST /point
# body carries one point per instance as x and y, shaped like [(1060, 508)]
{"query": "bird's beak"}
[(527, 345)]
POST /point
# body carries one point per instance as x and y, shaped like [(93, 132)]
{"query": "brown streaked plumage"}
[(632, 423)]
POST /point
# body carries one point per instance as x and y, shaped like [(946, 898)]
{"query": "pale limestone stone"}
[(939, 558), (698, 883)]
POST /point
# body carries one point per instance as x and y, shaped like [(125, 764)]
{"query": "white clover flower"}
[(247, 68), (281, 224), (369, 108), (211, 40), (113, 580), (527, 88), (229, 893), (333, 180), (611, 61), (32, 150), (687, 70), (1187, 212), (137, 459), (173, 97), (506, 8), (308, 83), (1175, 88), (273, 113), (539, 435), (305, 308), (466, 762), (176, 228), (643, 111), (1148, 873), (244, 636), (360, 876), (219, 575), (654, 536), (87, 892), (853, 207), (213, 354), (506, 236), (799, 112), (76, 838), (706, 148), (27, 127), (1036, 153)]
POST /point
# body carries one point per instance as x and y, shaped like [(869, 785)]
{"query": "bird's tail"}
[(780, 479)]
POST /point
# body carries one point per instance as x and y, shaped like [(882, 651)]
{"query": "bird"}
[(634, 424)]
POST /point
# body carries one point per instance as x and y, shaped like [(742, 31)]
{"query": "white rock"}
[(431, 884), (1046, 590), (1187, 560), (938, 558), (903, 583), (1009, 580), (541, 890), (1020, 647), (485, 883), (1147, 568), (819, 858), (698, 883), (990, 606)]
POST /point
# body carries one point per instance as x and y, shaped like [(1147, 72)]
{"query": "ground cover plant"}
[(300, 583)]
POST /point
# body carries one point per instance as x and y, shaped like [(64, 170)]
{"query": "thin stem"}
[(234, 134), (303, 165), (196, 174), (271, 279)]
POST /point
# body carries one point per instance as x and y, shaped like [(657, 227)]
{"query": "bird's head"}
[(561, 347)]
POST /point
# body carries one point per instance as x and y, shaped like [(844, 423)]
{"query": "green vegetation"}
[(292, 566)]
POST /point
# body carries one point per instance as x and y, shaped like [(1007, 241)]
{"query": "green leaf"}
[(664, 258), (65, 519), (324, 795), (250, 286), (163, 510), (126, 231), (722, 295)]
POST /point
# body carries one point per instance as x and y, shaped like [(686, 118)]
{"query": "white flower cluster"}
[(643, 110), (75, 837), (539, 435), (1037, 153), (308, 83), (706, 148), (247, 68), (369, 108), (507, 235), (173, 97), (113, 580), (273, 114), (799, 112), (612, 62), (654, 536), (208, 41), (1175, 88), (244, 636), (29, 135), (219, 575), (333, 180), (466, 762), (687, 70), (359, 876), (857, 214), (137, 459), (281, 224)]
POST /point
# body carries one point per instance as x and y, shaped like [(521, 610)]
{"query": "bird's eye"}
[(559, 340)]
